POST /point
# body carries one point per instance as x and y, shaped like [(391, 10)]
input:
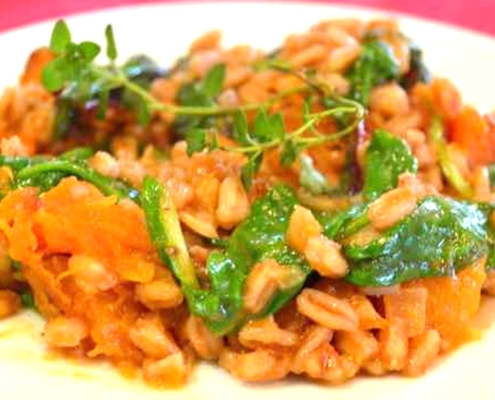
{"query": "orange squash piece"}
[(452, 303), (472, 132)]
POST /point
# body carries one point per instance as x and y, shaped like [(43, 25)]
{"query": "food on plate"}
[(324, 209)]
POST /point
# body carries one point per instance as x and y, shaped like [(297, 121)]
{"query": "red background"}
[(474, 14)]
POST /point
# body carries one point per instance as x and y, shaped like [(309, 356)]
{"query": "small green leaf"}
[(192, 95), (88, 50), (16, 266), (77, 154), (249, 169), (418, 72), (196, 140), (60, 38), (142, 69), (262, 128), (213, 81), (376, 64), (240, 133), (54, 75), (273, 63), (306, 110), (27, 300), (289, 153), (281, 65), (268, 127), (102, 104), (387, 157), (144, 114), (213, 144), (73, 58), (277, 127), (111, 45)]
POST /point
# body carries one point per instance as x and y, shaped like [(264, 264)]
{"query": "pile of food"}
[(324, 209)]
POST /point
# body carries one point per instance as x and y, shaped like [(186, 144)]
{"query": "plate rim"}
[(257, 3)]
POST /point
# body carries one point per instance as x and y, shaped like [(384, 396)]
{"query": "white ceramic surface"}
[(27, 371)]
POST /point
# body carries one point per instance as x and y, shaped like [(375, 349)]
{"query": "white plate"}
[(27, 371)]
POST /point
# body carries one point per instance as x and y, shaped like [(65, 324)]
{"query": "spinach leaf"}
[(164, 229), (375, 65), (45, 173), (338, 226), (488, 209), (386, 158), (260, 237), (17, 163), (440, 237), (77, 154), (418, 72)]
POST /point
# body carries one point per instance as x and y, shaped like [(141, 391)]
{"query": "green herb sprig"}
[(74, 66), (268, 130), (74, 69), (269, 133)]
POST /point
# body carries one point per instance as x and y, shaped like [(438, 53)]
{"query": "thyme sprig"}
[(74, 69), (74, 65)]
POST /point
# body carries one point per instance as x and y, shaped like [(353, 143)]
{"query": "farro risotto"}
[(324, 209)]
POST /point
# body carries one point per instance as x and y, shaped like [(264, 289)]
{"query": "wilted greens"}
[(260, 237), (440, 237), (46, 172), (375, 65), (386, 158)]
